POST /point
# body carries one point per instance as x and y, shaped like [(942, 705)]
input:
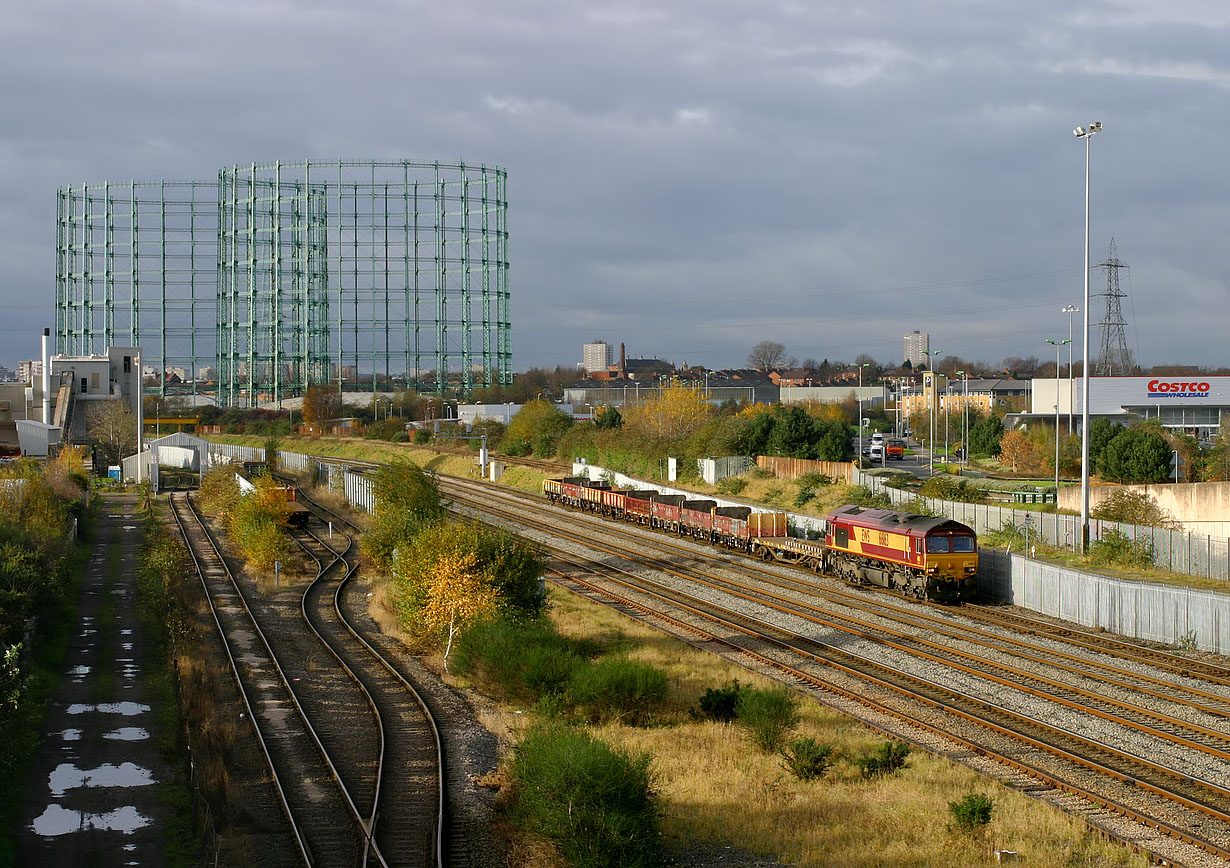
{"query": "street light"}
[(1069, 310), (1086, 134), (932, 399), (964, 375), (860, 365), (1058, 346)]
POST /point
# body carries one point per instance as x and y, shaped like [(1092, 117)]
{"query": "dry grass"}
[(716, 788)]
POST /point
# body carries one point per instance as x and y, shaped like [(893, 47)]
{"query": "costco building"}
[(1191, 403)]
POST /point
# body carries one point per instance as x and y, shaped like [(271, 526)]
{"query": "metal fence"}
[(1175, 615), (1178, 551)]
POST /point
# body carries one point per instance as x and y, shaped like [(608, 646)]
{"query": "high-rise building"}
[(916, 346), (597, 356), (29, 369)]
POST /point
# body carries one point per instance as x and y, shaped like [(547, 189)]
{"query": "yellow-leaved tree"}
[(457, 596), (678, 412)]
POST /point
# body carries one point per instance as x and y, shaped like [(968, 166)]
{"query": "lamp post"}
[(1069, 310), (932, 399), (964, 375), (860, 365), (1058, 346), (1087, 135)]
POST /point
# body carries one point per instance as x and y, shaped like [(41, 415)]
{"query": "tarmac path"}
[(92, 796)]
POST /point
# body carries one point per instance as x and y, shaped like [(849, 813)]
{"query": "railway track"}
[(350, 745), (1157, 792)]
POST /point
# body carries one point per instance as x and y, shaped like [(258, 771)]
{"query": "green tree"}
[(794, 434), (1217, 463), (540, 424), (985, 436), (608, 419), (114, 426), (836, 443), (407, 497), (1101, 432), (1136, 454)]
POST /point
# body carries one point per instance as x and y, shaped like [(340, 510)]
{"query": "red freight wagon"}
[(730, 526), (637, 504), (665, 511), (697, 517)]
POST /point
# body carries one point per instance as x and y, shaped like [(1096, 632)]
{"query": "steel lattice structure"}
[(368, 274), (1113, 357)]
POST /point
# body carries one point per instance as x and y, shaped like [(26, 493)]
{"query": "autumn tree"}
[(407, 498), (457, 597), (1020, 452), (768, 355), (538, 425), (1217, 463), (676, 413), (321, 404), (114, 426)]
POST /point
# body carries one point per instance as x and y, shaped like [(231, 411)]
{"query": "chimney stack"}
[(46, 377)]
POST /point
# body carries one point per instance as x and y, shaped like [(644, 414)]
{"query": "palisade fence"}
[(1193, 554), (337, 477)]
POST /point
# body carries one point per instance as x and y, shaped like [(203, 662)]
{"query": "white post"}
[(46, 376), (1082, 133)]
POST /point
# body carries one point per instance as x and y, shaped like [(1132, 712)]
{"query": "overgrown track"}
[(322, 817), (407, 811)]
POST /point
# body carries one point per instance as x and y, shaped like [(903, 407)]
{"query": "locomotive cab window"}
[(937, 544), (963, 544)]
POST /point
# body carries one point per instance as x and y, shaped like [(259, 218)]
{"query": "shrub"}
[(807, 759), (886, 759), (1131, 507), (422, 437), (767, 715), (595, 801), (731, 486), (718, 703), (1118, 548), (972, 812), (861, 495), (517, 447), (948, 488), (617, 688), (517, 660)]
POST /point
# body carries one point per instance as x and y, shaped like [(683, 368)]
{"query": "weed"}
[(517, 660), (718, 703), (731, 486), (1187, 642), (807, 759), (1119, 549), (972, 812), (617, 688), (886, 759), (767, 715)]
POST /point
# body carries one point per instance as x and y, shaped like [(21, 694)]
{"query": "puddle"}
[(71, 735), (127, 733), (125, 632), (128, 709), (130, 527), (57, 820), (68, 777), (127, 646), (79, 673)]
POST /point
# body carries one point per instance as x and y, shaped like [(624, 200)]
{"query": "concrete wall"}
[(1201, 507)]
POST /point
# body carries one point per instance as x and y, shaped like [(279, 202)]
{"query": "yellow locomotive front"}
[(951, 555)]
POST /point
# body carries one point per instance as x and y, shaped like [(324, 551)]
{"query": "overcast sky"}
[(688, 177)]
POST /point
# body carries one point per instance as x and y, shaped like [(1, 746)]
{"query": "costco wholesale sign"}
[(1177, 389)]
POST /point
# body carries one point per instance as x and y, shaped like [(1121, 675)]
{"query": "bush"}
[(807, 759), (422, 437), (731, 486), (861, 495), (1118, 548), (517, 660), (950, 488), (517, 447), (767, 715), (972, 812), (595, 801), (617, 688), (1131, 507), (888, 758), (718, 703)]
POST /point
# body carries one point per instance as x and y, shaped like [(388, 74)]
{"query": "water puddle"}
[(127, 733), (127, 709), (71, 735), (79, 673), (57, 820), (125, 632), (127, 646), (68, 777)]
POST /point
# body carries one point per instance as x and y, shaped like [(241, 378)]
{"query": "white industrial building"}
[(1196, 404)]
